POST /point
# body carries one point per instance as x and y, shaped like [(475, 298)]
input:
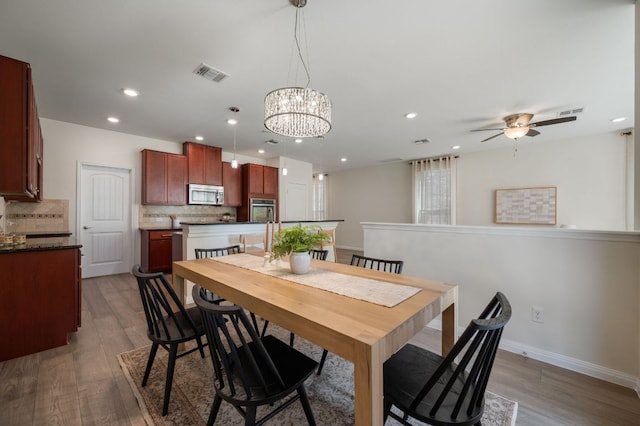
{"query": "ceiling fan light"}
[(516, 132)]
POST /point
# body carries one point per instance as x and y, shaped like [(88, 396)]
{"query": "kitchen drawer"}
[(156, 250)]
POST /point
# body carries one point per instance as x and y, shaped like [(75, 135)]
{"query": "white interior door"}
[(105, 220), (296, 201)]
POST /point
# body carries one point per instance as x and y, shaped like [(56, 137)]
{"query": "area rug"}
[(331, 393)]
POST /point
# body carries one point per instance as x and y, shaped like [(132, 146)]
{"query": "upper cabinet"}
[(270, 181), (204, 163), (164, 178), (259, 181), (232, 182), (20, 133)]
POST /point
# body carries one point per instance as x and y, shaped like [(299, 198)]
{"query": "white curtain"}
[(319, 202), (434, 190)]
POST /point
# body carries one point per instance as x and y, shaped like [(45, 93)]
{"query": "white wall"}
[(294, 189), (590, 174), (586, 282), (378, 194)]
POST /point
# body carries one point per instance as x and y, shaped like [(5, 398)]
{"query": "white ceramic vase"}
[(300, 262)]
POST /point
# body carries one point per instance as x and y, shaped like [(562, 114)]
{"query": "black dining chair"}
[(202, 253), (436, 390), (214, 252), (393, 266), (319, 254), (251, 371), (166, 328)]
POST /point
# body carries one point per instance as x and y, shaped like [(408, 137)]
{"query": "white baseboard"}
[(562, 361)]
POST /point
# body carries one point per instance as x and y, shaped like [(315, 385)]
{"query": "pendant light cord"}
[(295, 37)]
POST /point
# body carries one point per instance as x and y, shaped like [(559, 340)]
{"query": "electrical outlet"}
[(537, 314)]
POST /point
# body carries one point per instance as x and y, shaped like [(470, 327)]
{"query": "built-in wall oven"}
[(262, 210)]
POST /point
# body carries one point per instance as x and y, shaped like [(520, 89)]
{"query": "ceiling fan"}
[(519, 125)]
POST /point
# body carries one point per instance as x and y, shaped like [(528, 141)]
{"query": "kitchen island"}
[(222, 234), (40, 296)]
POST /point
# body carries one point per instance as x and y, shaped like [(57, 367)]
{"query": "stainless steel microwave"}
[(206, 194)]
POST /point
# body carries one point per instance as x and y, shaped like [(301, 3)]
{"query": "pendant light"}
[(234, 162), (298, 111)]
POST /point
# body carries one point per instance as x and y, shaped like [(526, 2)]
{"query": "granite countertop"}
[(42, 244), (45, 234)]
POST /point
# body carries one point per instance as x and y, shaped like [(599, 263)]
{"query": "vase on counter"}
[(175, 222), (300, 262)]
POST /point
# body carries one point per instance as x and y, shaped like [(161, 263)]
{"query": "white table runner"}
[(369, 290)]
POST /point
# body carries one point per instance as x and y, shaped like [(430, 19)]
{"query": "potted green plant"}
[(297, 241)]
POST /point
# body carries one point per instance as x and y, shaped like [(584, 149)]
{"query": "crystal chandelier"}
[(297, 111)]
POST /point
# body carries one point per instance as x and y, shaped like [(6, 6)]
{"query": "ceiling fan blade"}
[(524, 119), (483, 130), (553, 121), (494, 136), (532, 132)]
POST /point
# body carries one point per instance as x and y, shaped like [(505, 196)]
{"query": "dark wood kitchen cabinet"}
[(204, 163), (157, 254), (270, 181), (232, 182), (20, 133), (164, 178), (258, 181), (40, 300)]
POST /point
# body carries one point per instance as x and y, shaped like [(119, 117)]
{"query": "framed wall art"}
[(530, 206)]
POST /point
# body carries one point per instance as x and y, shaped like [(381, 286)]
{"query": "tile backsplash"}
[(45, 216), (160, 216)]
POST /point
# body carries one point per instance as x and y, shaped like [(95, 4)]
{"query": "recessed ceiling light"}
[(232, 121), (261, 151), (130, 92), (113, 120), (618, 119), (411, 115), (455, 147), (343, 159), (298, 140), (199, 138)]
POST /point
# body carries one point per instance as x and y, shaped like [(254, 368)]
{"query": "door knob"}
[(86, 227)]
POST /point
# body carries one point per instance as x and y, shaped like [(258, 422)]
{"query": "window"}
[(434, 189), (319, 202)]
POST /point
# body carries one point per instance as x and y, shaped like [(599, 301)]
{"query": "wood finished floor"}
[(82, 384)]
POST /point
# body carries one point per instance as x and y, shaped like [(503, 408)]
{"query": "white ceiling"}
[(460, 64)]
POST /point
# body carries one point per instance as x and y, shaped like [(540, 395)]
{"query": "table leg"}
[(178, 286), (449, 327), (368, 386)]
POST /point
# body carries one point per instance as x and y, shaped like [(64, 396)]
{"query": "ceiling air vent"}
[(272, 142), (210, 73), (570, 112), (422, 141)]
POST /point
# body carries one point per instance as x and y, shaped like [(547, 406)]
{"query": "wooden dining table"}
[(364, 333)]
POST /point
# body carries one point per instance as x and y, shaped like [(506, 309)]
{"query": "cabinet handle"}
[(166, 235)]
